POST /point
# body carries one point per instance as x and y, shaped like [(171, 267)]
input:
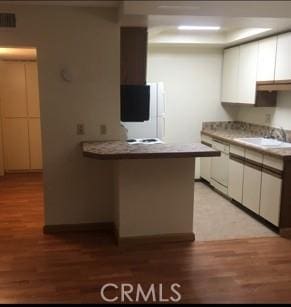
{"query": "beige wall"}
[(86, 42), (192, 79), (280, 116)]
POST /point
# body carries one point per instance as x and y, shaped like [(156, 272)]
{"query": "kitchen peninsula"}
[(153, 187)]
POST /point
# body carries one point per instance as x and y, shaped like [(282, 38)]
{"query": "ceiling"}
[(240, 21), (81, 3)]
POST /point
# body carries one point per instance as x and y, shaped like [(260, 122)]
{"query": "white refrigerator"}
[(155, 126)]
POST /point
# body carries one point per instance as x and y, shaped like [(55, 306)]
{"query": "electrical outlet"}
[(80, 129), (268, 118), (103, 129)]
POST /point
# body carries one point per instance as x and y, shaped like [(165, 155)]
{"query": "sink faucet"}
[(283, 134), (272, 131)]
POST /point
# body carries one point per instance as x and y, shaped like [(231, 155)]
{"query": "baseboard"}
[(50, 229), (29, 171), (285, 233), (166, 238)]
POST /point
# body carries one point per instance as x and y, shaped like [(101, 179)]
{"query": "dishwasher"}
[(219, 167)]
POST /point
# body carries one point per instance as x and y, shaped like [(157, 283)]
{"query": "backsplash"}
[(256, 130)]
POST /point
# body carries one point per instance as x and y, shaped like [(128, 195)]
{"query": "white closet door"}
[(16, 144), (32, 89), (2, 167), (13, 90), (35, 144)]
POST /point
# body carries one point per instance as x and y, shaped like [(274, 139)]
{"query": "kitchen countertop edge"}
[(117, 155), (275, 152)]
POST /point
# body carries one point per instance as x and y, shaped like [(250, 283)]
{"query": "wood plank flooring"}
[(72, 268)]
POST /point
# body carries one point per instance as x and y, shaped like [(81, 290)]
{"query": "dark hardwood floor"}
[(72, 268)]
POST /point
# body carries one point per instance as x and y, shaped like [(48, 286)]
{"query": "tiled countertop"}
[(229, 135), (116, 150)]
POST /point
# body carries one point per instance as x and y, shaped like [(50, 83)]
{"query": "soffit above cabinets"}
[(240, 21)]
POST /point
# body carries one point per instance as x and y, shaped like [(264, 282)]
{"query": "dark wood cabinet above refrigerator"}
[(133, 58)]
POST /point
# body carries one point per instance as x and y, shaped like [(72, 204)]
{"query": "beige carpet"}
[(216, 218)]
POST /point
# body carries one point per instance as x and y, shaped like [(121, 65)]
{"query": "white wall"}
[(86, 41), (280, 116), (192, 78)]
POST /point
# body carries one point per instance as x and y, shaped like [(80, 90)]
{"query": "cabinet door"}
[(205, 168), (35, 144), (16, 145), (267, 59), (230, 75), (247, 73), (271, 198), (283, 59), (133, 52), (13, 90), (252, 188), (235, 176), (32, 89)]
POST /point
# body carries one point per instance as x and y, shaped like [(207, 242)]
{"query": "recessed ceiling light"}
[(198, 28)]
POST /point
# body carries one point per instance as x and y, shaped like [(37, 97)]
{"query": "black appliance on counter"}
[(134, 103)]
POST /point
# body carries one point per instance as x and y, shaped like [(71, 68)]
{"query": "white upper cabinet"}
[(283, 59), (240, 74), (247, 73), (267, 59), (230, 75)]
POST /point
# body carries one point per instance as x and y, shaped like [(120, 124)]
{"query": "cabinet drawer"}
[(237, 150), (223, 147), (273, 162), (206, 139), (254, 156)]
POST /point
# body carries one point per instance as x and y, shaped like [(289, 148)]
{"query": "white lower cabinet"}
[(205, 168), (271, 198), (205, 163), (252, 188), (248, 177), (235, 177)]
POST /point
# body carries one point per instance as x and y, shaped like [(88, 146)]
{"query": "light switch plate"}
[(103, 129), (80, 129), (268, 118)]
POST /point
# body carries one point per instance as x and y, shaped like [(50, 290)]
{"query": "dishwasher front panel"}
[(219, 167)]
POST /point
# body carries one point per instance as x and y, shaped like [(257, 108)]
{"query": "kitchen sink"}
[(264, 142)]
